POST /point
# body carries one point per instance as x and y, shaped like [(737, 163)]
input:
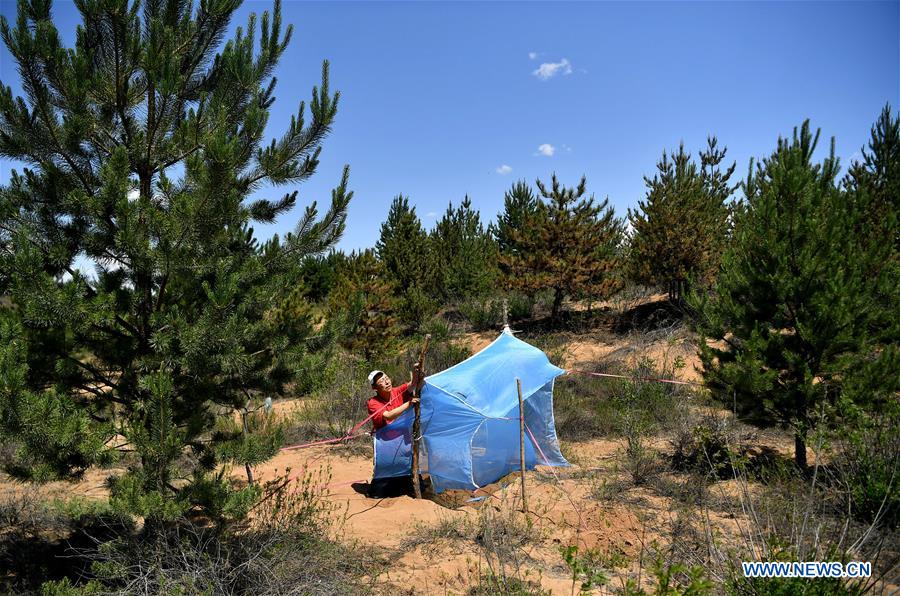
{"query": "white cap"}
[(373, 375)]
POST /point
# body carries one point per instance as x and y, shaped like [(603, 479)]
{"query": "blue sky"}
[(436, 98)]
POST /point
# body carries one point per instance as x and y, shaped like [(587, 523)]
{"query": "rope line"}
[(351, 434), (634, 378), (346, 437)]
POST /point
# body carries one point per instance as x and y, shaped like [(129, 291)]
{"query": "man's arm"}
[(390, 415)]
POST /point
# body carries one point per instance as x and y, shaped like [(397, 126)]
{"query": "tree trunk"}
[(245, 432), (800, 450), (557, 304)]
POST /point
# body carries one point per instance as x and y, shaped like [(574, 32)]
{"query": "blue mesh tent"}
[(470, 420)]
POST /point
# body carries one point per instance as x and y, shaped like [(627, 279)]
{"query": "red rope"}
[(350, 434), (346, 437)]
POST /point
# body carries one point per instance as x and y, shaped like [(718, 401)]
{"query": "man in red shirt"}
[(385, 406), (389, 401)]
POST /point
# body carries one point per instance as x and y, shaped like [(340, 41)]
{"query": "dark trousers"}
[(399, 486)]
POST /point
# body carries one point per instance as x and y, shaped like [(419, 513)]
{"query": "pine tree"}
[(142, 300), (464, 254), (716, 211), (681, 227), (519, 202), (876, 179), (873, 185), (793, 302), (319, 273), (363, 300), (403, 248), (569, 245)]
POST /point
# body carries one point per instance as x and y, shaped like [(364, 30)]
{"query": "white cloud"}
[(532, 55), (551, 69), (546, 149), (504, 169), (431, 214)]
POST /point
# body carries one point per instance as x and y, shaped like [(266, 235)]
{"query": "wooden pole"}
[(522, 443), (505, 313), (416, 429)]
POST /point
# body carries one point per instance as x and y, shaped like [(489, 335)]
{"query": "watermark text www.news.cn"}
[(807, 569)]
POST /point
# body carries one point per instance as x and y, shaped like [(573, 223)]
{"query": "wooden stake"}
[(416, 429), (522, 442)]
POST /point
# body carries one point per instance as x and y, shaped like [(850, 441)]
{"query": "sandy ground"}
[(560, 509)]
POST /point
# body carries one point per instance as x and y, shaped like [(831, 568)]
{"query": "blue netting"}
[(470, 420)]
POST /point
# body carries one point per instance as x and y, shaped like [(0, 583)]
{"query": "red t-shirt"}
[(376, 405)]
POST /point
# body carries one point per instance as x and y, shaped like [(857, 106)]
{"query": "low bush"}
[(782, 514), (489, 584), (668, 578), (520, 307), (334, 408), (483, 313), (588, 570), (867, 465), (40, 539), (284, 548), (705, 449), (641, 462), (583, 408)]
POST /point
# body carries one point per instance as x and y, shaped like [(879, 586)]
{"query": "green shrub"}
[(583, 408), (647, 406), (441, 355), (490, 584), (41, 541), (869, 463), (705, 450), (482, 314), (316, 371), (65, 587), (641, 462), (520, 307), (672, 579), (438, 328), (284, 548), (415, 307), (585, 568)]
